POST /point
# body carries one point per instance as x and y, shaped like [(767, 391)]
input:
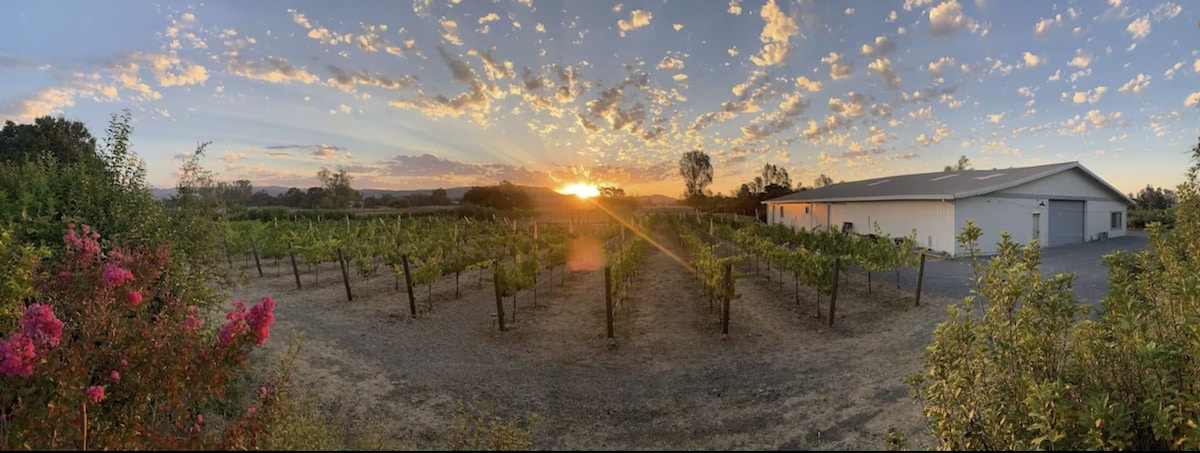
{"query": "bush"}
[(109, 357), (1141, 218), (1018, 365)]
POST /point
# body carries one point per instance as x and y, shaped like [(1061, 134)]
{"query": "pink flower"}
[(193, 322), (134, 298), (42, 326), (250, 410), (64, 275), (236, 324), (115, 376), (124, 362), (17, 355), (116, 276), (262, 391), (260, 319), (199, 418), (192, 309), (195, 427), (95, 393)]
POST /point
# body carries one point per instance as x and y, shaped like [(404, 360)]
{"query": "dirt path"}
[(781, 379)]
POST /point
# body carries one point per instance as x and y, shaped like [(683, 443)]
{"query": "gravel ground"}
[(782, 379)]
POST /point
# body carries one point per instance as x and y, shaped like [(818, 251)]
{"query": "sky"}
[(424, 94)]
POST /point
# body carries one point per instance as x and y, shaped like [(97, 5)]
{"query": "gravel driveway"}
[(949, 278)]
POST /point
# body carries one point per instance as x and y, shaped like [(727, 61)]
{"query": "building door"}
[(1066, 222), (1037, 226)]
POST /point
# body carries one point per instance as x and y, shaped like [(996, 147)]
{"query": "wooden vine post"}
[(837, 267), (412, 299), (499, 294), (257, 264), (295, 269), (920, 280), (345, 275), (608, 303), (728, 294)]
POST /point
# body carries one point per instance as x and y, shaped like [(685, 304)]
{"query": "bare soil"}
[(781, 379)]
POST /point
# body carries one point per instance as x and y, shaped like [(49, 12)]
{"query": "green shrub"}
[(1020, 365)]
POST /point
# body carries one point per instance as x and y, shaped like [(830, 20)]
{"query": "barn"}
[(1057, 204)]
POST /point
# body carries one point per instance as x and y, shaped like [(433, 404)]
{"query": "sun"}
[(580, 189)]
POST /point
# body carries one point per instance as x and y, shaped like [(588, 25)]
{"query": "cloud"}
[(677, 27), (936, 68), (809, 85), (837, 71), (1081, 60), (1139, 28), (1031, 60), (275, 70), (883, 68), (910, 4), (996, 118), (1192, 100), (1043, 27), (637, 19), (1136, 85), (371, 41), (474, 102), (450, 31), (1090, 96), (876, 135), (779, 28), (490, 17), (231, 157), (853, 107), (948, 19), (881, 48), (669, 62), (1166, 11), (347, 80), (735, 7)]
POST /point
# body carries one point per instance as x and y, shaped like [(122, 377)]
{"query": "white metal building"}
[(1057, 204)]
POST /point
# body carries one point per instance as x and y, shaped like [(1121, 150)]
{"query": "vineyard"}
[(527, 315)]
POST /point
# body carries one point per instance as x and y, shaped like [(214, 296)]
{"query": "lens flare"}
[(580, 189)]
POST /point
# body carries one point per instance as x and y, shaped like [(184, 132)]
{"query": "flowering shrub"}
[(109, 356)]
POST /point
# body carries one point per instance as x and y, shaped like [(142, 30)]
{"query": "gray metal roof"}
[(942, 185)]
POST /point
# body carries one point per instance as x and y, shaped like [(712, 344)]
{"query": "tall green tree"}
[(66, 142), (822, 181), (962, 164), (1154, 198), (697, 172), (337, 188)]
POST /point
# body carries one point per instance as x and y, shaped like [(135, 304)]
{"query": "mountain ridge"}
[(452, 192)]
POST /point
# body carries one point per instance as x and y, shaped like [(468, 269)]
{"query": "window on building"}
[(781, 212), (1116, 222)]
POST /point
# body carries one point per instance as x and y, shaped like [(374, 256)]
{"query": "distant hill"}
[(540, 195)]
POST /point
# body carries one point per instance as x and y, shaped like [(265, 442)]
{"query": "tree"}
[(504, 197), (1021, 365), (611, 192), (1154, 198), (697, 172), (337, 188), (67, 142), (962, 164), (822, 181)]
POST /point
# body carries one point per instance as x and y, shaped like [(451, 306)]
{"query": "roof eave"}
[(918, 197)]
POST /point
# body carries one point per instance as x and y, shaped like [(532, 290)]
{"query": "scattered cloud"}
[(1139, 28), (948, 19), (837, 71), (1136, 85), (1192, 100), (1031, 60), (779, 28), (1081, 60), (637, 19)]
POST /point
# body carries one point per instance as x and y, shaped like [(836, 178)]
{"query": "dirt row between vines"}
[(781, 379)]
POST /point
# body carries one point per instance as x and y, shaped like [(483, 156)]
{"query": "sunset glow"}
[(580, 189)]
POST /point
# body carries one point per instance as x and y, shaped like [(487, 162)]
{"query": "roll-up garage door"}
[(1066, 222)]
